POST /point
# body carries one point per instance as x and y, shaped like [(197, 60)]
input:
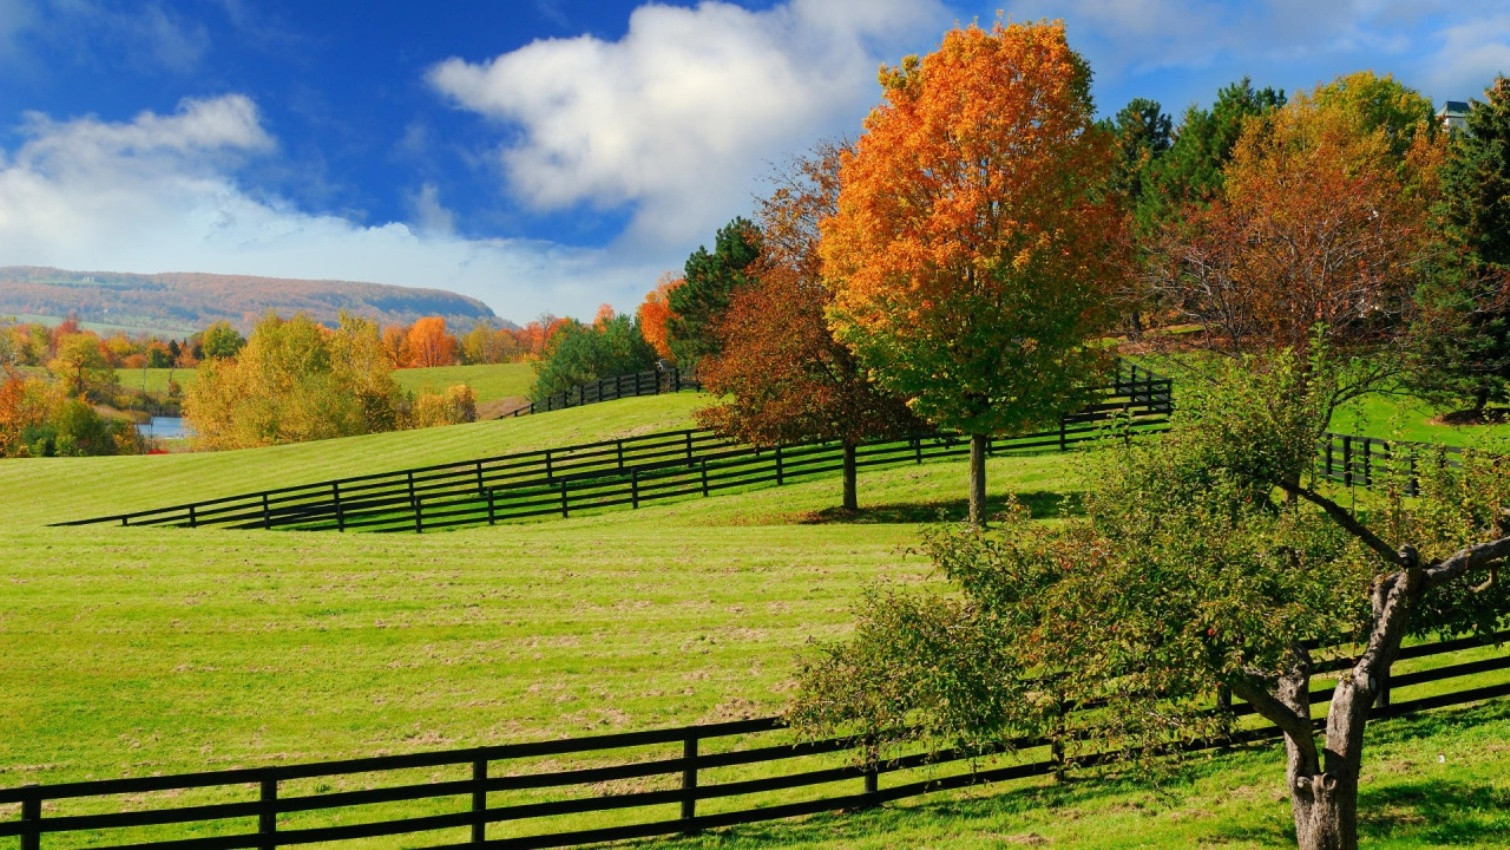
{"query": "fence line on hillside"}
[(650, 382), (614, 473), (675, 790)]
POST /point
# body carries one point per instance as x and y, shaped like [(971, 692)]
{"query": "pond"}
[(164, 428)]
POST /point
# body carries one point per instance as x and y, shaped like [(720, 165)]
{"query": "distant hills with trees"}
[(183, 302)]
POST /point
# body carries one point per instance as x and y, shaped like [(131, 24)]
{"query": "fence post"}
[(267, 816), (1368, 467), (634, 488), (565, 511), (581, 394), (621, 455), (480, 489), (335, 494), (419, 517), (1061, 434), (872, 770), (193, 520), (479, 797), (1381, 701), (492, 512), (1347, 461), (689, 448), (689, 781), (548, 464), (917, 448), (31, 818), (267, 516), (705, 476), (779, 471), (1329, 442)]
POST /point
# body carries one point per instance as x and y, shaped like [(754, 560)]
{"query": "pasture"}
[(129, 652), (490, 381)]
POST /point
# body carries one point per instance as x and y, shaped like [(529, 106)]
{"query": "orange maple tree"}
[(1320, 229), (974, 248), (427, 343), (655, 313), (783, 375)]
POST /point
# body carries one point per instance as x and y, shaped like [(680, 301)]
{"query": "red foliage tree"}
[(785, 377)]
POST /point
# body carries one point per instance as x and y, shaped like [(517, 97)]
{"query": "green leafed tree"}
[(579, 354), (710, 280), (220, 341), (1191, 575), (1462, 336)]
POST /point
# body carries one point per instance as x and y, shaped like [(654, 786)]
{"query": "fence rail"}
[(1357, 461), (651, 382), (612, 473), (688, 779)]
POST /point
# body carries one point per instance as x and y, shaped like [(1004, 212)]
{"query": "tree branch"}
[(1340, 515), (1467, 559), (1255, 692)]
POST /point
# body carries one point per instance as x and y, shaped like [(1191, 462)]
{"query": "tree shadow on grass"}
[(1041, 504)]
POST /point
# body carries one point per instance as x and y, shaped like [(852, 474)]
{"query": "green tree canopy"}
[(710, 280), (579, 354)]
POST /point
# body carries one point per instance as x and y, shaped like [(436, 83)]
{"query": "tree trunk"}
[(1326, 812), (1480, 399), (851, 497), (978, 480)]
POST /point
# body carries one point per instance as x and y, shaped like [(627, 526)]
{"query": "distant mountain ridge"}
[(181, 302)]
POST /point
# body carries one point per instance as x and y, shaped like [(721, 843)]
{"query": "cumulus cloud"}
[(159, 193), (677, 117)]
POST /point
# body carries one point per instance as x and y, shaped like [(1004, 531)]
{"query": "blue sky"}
[(546, 156)]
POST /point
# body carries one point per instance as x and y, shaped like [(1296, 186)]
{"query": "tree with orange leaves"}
[(974, 249), (655, 313), (1319, 233), (429, 344), (783, 375)]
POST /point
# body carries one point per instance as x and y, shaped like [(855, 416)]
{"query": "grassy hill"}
[(132, 651)]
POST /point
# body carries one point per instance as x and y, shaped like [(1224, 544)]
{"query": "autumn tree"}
[(427, 343), (220, 341), (709, 279), (654, 314), (784, 377), (1461, 348), (974, 247), (1190, 172), (1319, 232), (487, 344), (1189, 574), (82, 366), (294, 381)]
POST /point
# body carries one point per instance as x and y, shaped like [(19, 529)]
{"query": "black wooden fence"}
[(652, 382), (630, 785), (612, 473), (1360, 461)]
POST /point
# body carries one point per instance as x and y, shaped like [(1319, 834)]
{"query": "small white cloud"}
[(676, 117), (429, 213)]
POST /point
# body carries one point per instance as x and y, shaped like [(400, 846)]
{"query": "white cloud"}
[(677, 117), (158, 193), (1470, 56)]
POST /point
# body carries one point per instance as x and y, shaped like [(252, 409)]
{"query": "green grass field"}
[(1391, 416), (134, 651), (489, 381)]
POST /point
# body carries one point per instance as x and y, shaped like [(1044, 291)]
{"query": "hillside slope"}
[(182, 302)]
